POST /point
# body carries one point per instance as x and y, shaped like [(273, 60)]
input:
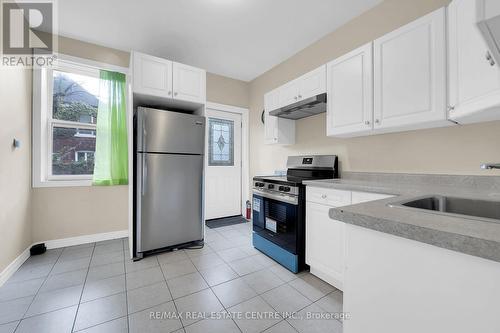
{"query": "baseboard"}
[(72, 241), (58, 243), (14, 266)]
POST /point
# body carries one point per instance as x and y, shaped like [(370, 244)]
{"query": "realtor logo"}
[(27, 32)]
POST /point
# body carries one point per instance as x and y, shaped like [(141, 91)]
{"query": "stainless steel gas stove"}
[(279, 208)]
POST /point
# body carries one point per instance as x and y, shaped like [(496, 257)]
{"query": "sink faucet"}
[(489, 166)]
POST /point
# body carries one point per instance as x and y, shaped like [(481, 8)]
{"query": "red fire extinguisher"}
[(249, 210)]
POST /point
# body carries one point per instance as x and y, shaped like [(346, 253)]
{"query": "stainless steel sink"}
[(451, 206)]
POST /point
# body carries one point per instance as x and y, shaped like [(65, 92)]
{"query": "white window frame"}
[(85, 152), (43, 123)]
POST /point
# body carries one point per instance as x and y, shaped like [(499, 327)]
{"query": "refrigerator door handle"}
[(144, 174), (144, 132)]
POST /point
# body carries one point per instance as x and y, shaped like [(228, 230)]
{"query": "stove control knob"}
[(270, 186), (286, 189), (281, 188), (261, 184)]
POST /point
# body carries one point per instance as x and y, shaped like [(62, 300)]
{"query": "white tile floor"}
[(227, 286)]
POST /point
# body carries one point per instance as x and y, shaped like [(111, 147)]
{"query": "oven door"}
[(276, 220)]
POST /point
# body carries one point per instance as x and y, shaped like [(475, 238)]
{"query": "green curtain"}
[(111, 151)]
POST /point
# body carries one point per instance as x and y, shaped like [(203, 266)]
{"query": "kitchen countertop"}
[(467, 235)]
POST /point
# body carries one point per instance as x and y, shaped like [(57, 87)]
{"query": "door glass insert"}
[(221, 142)]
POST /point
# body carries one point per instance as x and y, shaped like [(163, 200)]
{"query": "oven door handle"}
[(291, 199)]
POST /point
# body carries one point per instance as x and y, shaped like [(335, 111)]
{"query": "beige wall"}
[(15, 199), (221, 89), (454, 150), (75, 211)]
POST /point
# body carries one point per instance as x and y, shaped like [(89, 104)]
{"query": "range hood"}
[(303, 108), (488, 21)]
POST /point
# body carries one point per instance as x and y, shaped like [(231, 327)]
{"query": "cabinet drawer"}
[(330, 197), (359, 197)]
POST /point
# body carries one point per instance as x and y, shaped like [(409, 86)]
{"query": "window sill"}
[(62, 183)]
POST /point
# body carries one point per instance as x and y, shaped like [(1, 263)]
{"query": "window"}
[(84, 155), (221, 147), (75, 100), (66, 100)]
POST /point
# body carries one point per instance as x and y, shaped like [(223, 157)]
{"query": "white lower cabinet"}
[(394, 285), (325, 246), (325, 237)]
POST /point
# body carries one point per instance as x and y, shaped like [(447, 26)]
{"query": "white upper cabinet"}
[(312, 83), (157, 77), (189, 83), (350, 93), (308, 85), (152, 75), (271, 102), (288, 93), (474, 80), (276, 130), (280, 130), (410, 75)]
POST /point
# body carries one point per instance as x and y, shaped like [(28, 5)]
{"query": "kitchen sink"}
[(452, 206)]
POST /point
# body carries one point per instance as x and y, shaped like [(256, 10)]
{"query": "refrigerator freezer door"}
[(160, 131), (169, 200)]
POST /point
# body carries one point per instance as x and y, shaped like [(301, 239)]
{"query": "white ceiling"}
[(236, 38)]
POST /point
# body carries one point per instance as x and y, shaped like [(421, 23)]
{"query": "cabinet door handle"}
[(451, 108), (300, 96), (323, 196), (175, 93), (377, 121), (295, 97), (367, 122), (490, 59), (169, 93)]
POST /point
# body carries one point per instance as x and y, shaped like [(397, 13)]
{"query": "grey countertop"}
[(471, 236)]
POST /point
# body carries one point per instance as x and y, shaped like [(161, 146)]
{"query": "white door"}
[(271, 102), (223, 165), (474, 81), (312, 83), (350, 93), (325, 244), (189, 83), (289, 93), (152, 75), (410, 74)]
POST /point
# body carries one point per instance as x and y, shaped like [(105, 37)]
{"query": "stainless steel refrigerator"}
[(169, 179)]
